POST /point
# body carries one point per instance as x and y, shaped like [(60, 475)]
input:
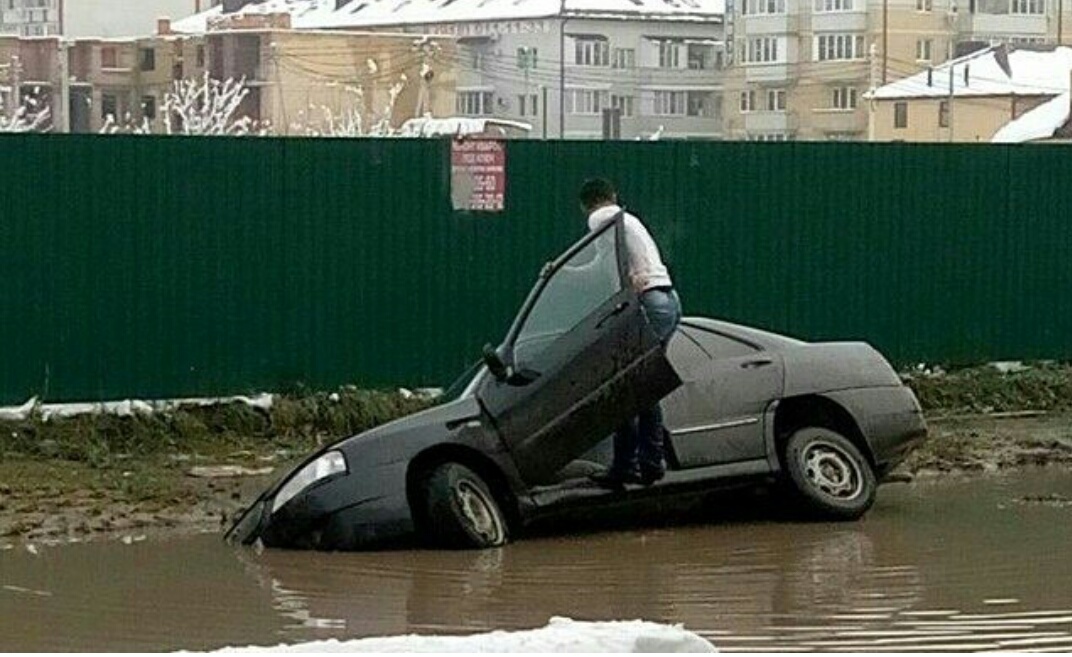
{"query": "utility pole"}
[(543, 93), (873, 65), (952, 78), (885, 38), (562, 71), (16, 82), (63, 115)]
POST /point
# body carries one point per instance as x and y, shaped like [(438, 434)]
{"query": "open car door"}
[(582, 359)]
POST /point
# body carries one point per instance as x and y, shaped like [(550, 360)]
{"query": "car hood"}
[(430, 424)]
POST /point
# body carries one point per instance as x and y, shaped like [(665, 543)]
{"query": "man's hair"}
[(597, 191)]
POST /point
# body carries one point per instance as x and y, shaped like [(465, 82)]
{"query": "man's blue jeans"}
[(638, 444)]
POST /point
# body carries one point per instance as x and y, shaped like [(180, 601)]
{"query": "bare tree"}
[(206, 107), (30, 116)]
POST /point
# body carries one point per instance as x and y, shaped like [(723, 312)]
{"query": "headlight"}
[(325, 466)]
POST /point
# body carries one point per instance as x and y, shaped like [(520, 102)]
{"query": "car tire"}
[(830, 476), (461, 510)]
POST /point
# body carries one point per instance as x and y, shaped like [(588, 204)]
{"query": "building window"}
[(943, 114), (526, 58), (768, 136), (624, 58), (591, 51), (586, 101), (148, 107), (109, 57), (845, 98), (528, 105), (474, 103), (700, 56), (700, 103), (900, 115), (924, 5), (830, 47), (761, 49), (1035, 7), (923, 50), (623, 104), (201, 57), (776, 100), (669, 54), (147, 59), (748, 101), (109, 106), (824, 6), (670, 103), (751, 7)]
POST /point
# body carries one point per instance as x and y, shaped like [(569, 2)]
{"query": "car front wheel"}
[(831, 477), (461, 510)]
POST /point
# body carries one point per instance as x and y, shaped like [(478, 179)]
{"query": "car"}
[(514, 438)]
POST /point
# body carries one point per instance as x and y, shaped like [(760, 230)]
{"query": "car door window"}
[(576, 289)]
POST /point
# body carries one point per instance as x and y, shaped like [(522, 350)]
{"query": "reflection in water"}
[(933, 567)]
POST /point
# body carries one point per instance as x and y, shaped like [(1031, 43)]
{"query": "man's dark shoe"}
[(647, 476), (615, 479)]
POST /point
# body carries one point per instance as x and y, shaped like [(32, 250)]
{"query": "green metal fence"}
[(161, 267)]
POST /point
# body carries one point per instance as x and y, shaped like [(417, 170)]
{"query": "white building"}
[(577, 69), (91, 18)]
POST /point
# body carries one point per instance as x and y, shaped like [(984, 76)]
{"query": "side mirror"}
[(522, 377), (496, 364)]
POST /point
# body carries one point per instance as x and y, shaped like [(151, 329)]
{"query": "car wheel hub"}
[(477, 509), (832, 471)]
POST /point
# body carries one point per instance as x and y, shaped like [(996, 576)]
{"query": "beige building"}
[(307, 81), (1002, 93), (800, 67), (125, 80), (30, 74)]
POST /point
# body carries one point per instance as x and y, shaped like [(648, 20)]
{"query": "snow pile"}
[(560, 635), (1039, 123), (124, 408), (456, 126)]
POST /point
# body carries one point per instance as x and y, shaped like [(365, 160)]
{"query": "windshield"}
[(458, 388)]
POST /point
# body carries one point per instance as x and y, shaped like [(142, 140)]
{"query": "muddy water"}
[(953, 564)]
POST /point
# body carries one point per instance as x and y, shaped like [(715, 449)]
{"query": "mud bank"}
[(190, 470)]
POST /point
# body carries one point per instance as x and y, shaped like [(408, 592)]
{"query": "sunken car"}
[(511, 441)]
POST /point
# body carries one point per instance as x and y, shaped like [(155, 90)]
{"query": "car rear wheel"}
[(830, 476), (461, 510)]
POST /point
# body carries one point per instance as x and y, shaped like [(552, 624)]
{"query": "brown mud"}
[(128, 478)]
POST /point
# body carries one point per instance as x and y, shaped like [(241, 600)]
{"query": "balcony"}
[(984, 26), (770, 121), (835, 120), (766, 73), (679, 77), (839, 21), (762, 24)]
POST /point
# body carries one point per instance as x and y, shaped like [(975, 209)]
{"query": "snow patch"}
[(559, 635), (1039, 123), (125, 408)]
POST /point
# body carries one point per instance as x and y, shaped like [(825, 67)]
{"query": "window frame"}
[(900, 115)]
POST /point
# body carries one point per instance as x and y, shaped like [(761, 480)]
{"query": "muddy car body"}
[(515, 437)]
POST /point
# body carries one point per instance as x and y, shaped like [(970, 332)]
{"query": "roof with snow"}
[(995, 71), (323, 14)]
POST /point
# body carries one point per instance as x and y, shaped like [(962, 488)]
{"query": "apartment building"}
[(800, 67), (578, 69)]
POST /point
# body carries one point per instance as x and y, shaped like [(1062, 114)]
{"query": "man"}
[(638, 444)]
